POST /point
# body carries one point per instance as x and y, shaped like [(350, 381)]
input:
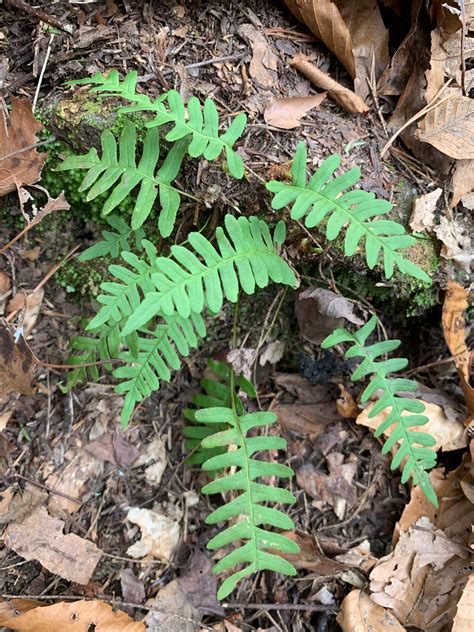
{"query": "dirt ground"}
[(174, 45)]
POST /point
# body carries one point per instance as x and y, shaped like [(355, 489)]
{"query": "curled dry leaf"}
[(346, 98), (465, 612), (272, 353), (155, 459), (360, 614), (449, 433), (286, 113), (20, 163), (310, 557), (40, 537), (16, 364), (463, 181), (264, 62), (450, 127), (422, 217), (73, 616), (454, 325), (160, 532)]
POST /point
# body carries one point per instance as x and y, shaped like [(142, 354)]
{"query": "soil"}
[(172, 45)]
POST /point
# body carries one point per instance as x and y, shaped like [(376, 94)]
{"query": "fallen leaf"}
[(445, 61), (323, 18), (160, 532), (242, 360), (346, 98), (40, 537), (264, 63), (463, 181), (450, 127), (454, 325), (173, 611), (334, 488), (286, 113), (16, 503), (272, 353), (31, 304), (16, 364), (306, 419), (456, 239), (310, 557), (345, 404), (320, 311), (299, 387), (359, 556), (73, 616), (465, 612), (31, 254), (199, 584), (360, 614), (19, 165), (133, 590), (5, 284), (422, 217), (5, 418)]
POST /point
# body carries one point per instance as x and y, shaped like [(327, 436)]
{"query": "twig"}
[(28, 147), (215, 60), (279, 606), (41, 486), (40, 15), (43, 69)]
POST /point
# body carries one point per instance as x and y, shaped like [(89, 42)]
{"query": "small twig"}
[(279, 606), (215, 60), (43, 69), (40, 15), (28, 147), (41, 486), (423, 367)]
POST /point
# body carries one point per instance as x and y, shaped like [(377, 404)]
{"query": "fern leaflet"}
[(326, 196), (412, 443), (253, 515), (113, 242), (105, 172)]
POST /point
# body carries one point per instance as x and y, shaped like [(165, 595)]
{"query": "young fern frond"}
[(121, 174), (113, 242), (186, 282), (158, 353), (215, 393), (261, 546), (333, 198), (412, 444), (199, 125)]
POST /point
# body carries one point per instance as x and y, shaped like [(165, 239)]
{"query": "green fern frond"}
[(121, 174), (113, 242), (412, 445), (260, 547), (244, 258), (333, 198), (199, 125), (216, 392), (158, 353)]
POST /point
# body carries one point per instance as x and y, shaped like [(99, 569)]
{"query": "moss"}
[(81, 279)]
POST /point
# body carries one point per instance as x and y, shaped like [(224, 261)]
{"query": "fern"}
[(105, 172), (412, 444), (244, 258), (113, 242), (158, 352), (254, 554), (326, 196), (199, 125)]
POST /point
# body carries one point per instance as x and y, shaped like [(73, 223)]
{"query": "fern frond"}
[(113, 242), (259, 550), (216, 392), (184, 283), (199, 125), (158, 353), (121, 174), (333, 198), (412, 445)]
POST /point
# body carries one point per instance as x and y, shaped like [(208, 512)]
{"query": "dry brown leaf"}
[(264, 63), (335, 488), (299, 387), (173, 611), (359, 556), (346, 98), (449, 433), (132, 588), (160, 532), (464, 619), (345, 404), (310, 557), (31, 303), (16, 364), (422, 217), (5, 283), (40, 537), (306, 419), (30, 254), (286, 113), (199, 583), (154, 457), (360, 614), (450, 127), (455, 304), (19, 165), (463, 181), (16, 503), (73, 616), (323, 18)]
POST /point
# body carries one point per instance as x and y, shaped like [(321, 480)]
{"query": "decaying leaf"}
[(422, 217), (345, 404), (20, 163), (16, 364), (31, 304), (133, 590), (173, 611), (40, 537), (359, 556), (155, 459), (160, 532), (449, 433), (72, 616), (264, 62), (286, 113), (306, 419), (310, 557), (360, 614), (199, 584), (272, 353), (16, 503), (463, 181), (465, 613), (454, 325), (450, 127)]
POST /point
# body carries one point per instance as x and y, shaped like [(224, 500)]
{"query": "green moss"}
[(81, 279)]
